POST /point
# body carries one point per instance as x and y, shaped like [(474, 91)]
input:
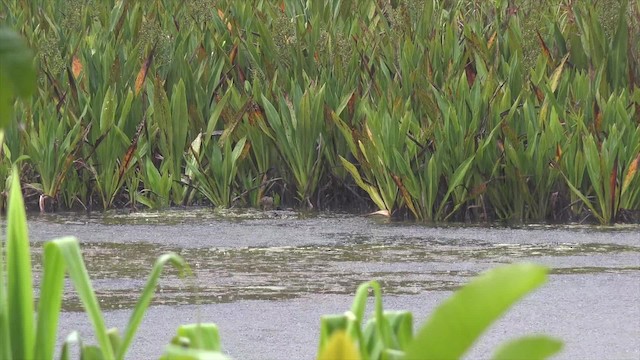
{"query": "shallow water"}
[(277, 263)]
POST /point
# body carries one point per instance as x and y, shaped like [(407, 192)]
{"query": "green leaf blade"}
[(19, 277), (50, 301), (145, 299), (70, 251), (529, 348), (458, 322)]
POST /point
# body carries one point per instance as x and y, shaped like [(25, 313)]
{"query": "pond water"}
[(266, 277)]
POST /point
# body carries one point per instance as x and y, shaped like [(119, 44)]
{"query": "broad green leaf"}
[(179, 125), (459, 321), (17, 72), (557, 73), (108, 113), (6, 104), (529, 348)]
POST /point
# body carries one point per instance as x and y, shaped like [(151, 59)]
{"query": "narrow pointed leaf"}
[(145, 299), (19, 280)]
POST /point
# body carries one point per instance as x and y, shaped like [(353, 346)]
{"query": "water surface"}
[(274, 273)]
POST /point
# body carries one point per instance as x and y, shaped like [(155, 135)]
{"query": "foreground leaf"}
[(145, 298), (529, 348), (69, 250), (176, 352), (459, 321), (19, 280), (17, 73), (340, 346)]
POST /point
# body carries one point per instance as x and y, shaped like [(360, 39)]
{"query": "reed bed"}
[(430, 110)]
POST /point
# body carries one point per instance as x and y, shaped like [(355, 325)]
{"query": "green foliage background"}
[(161, 103)]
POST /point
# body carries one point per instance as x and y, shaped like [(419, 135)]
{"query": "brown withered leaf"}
[(142, 74), (597, 123), (128, 156), (545, 49), (241, 76), (351, 105), (224, 20), (201, 53), (558, 153), (492, 39), (479, 189), (405, 194), (633, 169), (470, 71), (233, 54), (245, 150), (76, 67), (538, 92), (613, 180)]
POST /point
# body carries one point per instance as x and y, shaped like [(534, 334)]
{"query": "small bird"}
[(266, 202)]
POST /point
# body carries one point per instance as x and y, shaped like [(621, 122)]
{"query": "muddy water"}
[(265, 278)]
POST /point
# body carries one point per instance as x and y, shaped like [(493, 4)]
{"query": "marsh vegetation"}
[(452, 110)]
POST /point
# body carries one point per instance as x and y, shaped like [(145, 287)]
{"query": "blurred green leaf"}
[(529, 348), (20, 315), (340, 346), (17, 72), (460, 320)]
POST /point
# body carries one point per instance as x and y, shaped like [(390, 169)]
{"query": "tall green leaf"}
[(19, 280), (51, 289), (69, 250)]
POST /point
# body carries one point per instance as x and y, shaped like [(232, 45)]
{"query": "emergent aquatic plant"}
[(25, 335), (447, 334), (433, 110)]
